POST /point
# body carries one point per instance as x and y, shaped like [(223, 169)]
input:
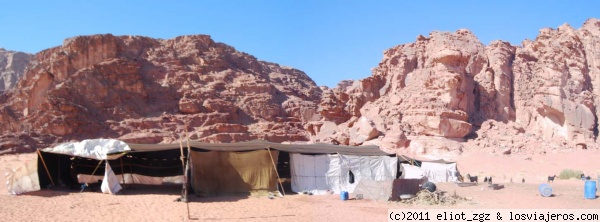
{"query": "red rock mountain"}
[(146, 90), (448, 91), (437, 96)]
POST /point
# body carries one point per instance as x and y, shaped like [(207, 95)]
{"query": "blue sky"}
[(329, 40)]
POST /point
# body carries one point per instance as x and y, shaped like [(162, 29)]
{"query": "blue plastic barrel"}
[(545, 190), (590, 189), (344, 195)]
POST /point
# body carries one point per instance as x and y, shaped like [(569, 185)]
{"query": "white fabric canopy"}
[(94, 149), (411, 172), (440, 172)]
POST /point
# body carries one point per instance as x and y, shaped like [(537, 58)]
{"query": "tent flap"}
[(216, 173), (110, 184)]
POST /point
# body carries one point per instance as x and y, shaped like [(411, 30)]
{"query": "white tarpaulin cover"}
[(23, 179), (440, 172), (110, 184), (411, 172), (309, 173), (374, 168), (321, 173), (94, 149)]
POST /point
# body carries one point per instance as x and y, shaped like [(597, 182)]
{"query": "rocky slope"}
[(12, 67), (447, 92), (146, 90), (440, 95)]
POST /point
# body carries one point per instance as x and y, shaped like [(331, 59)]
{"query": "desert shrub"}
[(569, 173)]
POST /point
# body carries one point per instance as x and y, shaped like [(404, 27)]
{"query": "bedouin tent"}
[(244, 167), (89, 161)]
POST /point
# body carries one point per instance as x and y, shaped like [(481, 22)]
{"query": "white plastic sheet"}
[(110, 184), (94, 149), (23, 179), (309, 173), (321, 173), (373, 168), (440, 172), (411, 172)]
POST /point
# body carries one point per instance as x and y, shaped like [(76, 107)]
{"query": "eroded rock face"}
[(449, 87), (430, 84), (12, 67), (146, 90), (554, 91), (441, 95)]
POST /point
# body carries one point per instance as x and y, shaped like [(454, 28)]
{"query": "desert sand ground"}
[(157, 203)]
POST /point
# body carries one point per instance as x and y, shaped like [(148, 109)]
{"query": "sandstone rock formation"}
[(146, 90), (439, 96), (447, 90), (12, 67)]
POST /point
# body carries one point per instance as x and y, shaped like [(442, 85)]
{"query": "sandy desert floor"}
[(157, 203)]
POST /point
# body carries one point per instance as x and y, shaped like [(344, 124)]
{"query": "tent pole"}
[(45, 167), (182, 157), (276, 172), (131, 171), (122, 170), (187, 167), (98, 166)]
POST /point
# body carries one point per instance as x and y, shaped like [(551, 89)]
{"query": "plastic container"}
[(429, 186), (344, 195), (545, 190), (590, 189)]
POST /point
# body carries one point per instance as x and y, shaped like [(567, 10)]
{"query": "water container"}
[(344, 195), (590, 189), (429, 186), (545, 190)]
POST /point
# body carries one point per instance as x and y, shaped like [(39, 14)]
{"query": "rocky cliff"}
[(146, 90), (12, 67), (440, 95), (448, 91)]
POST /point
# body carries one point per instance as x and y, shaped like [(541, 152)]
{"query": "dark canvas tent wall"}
[(217, 172)]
